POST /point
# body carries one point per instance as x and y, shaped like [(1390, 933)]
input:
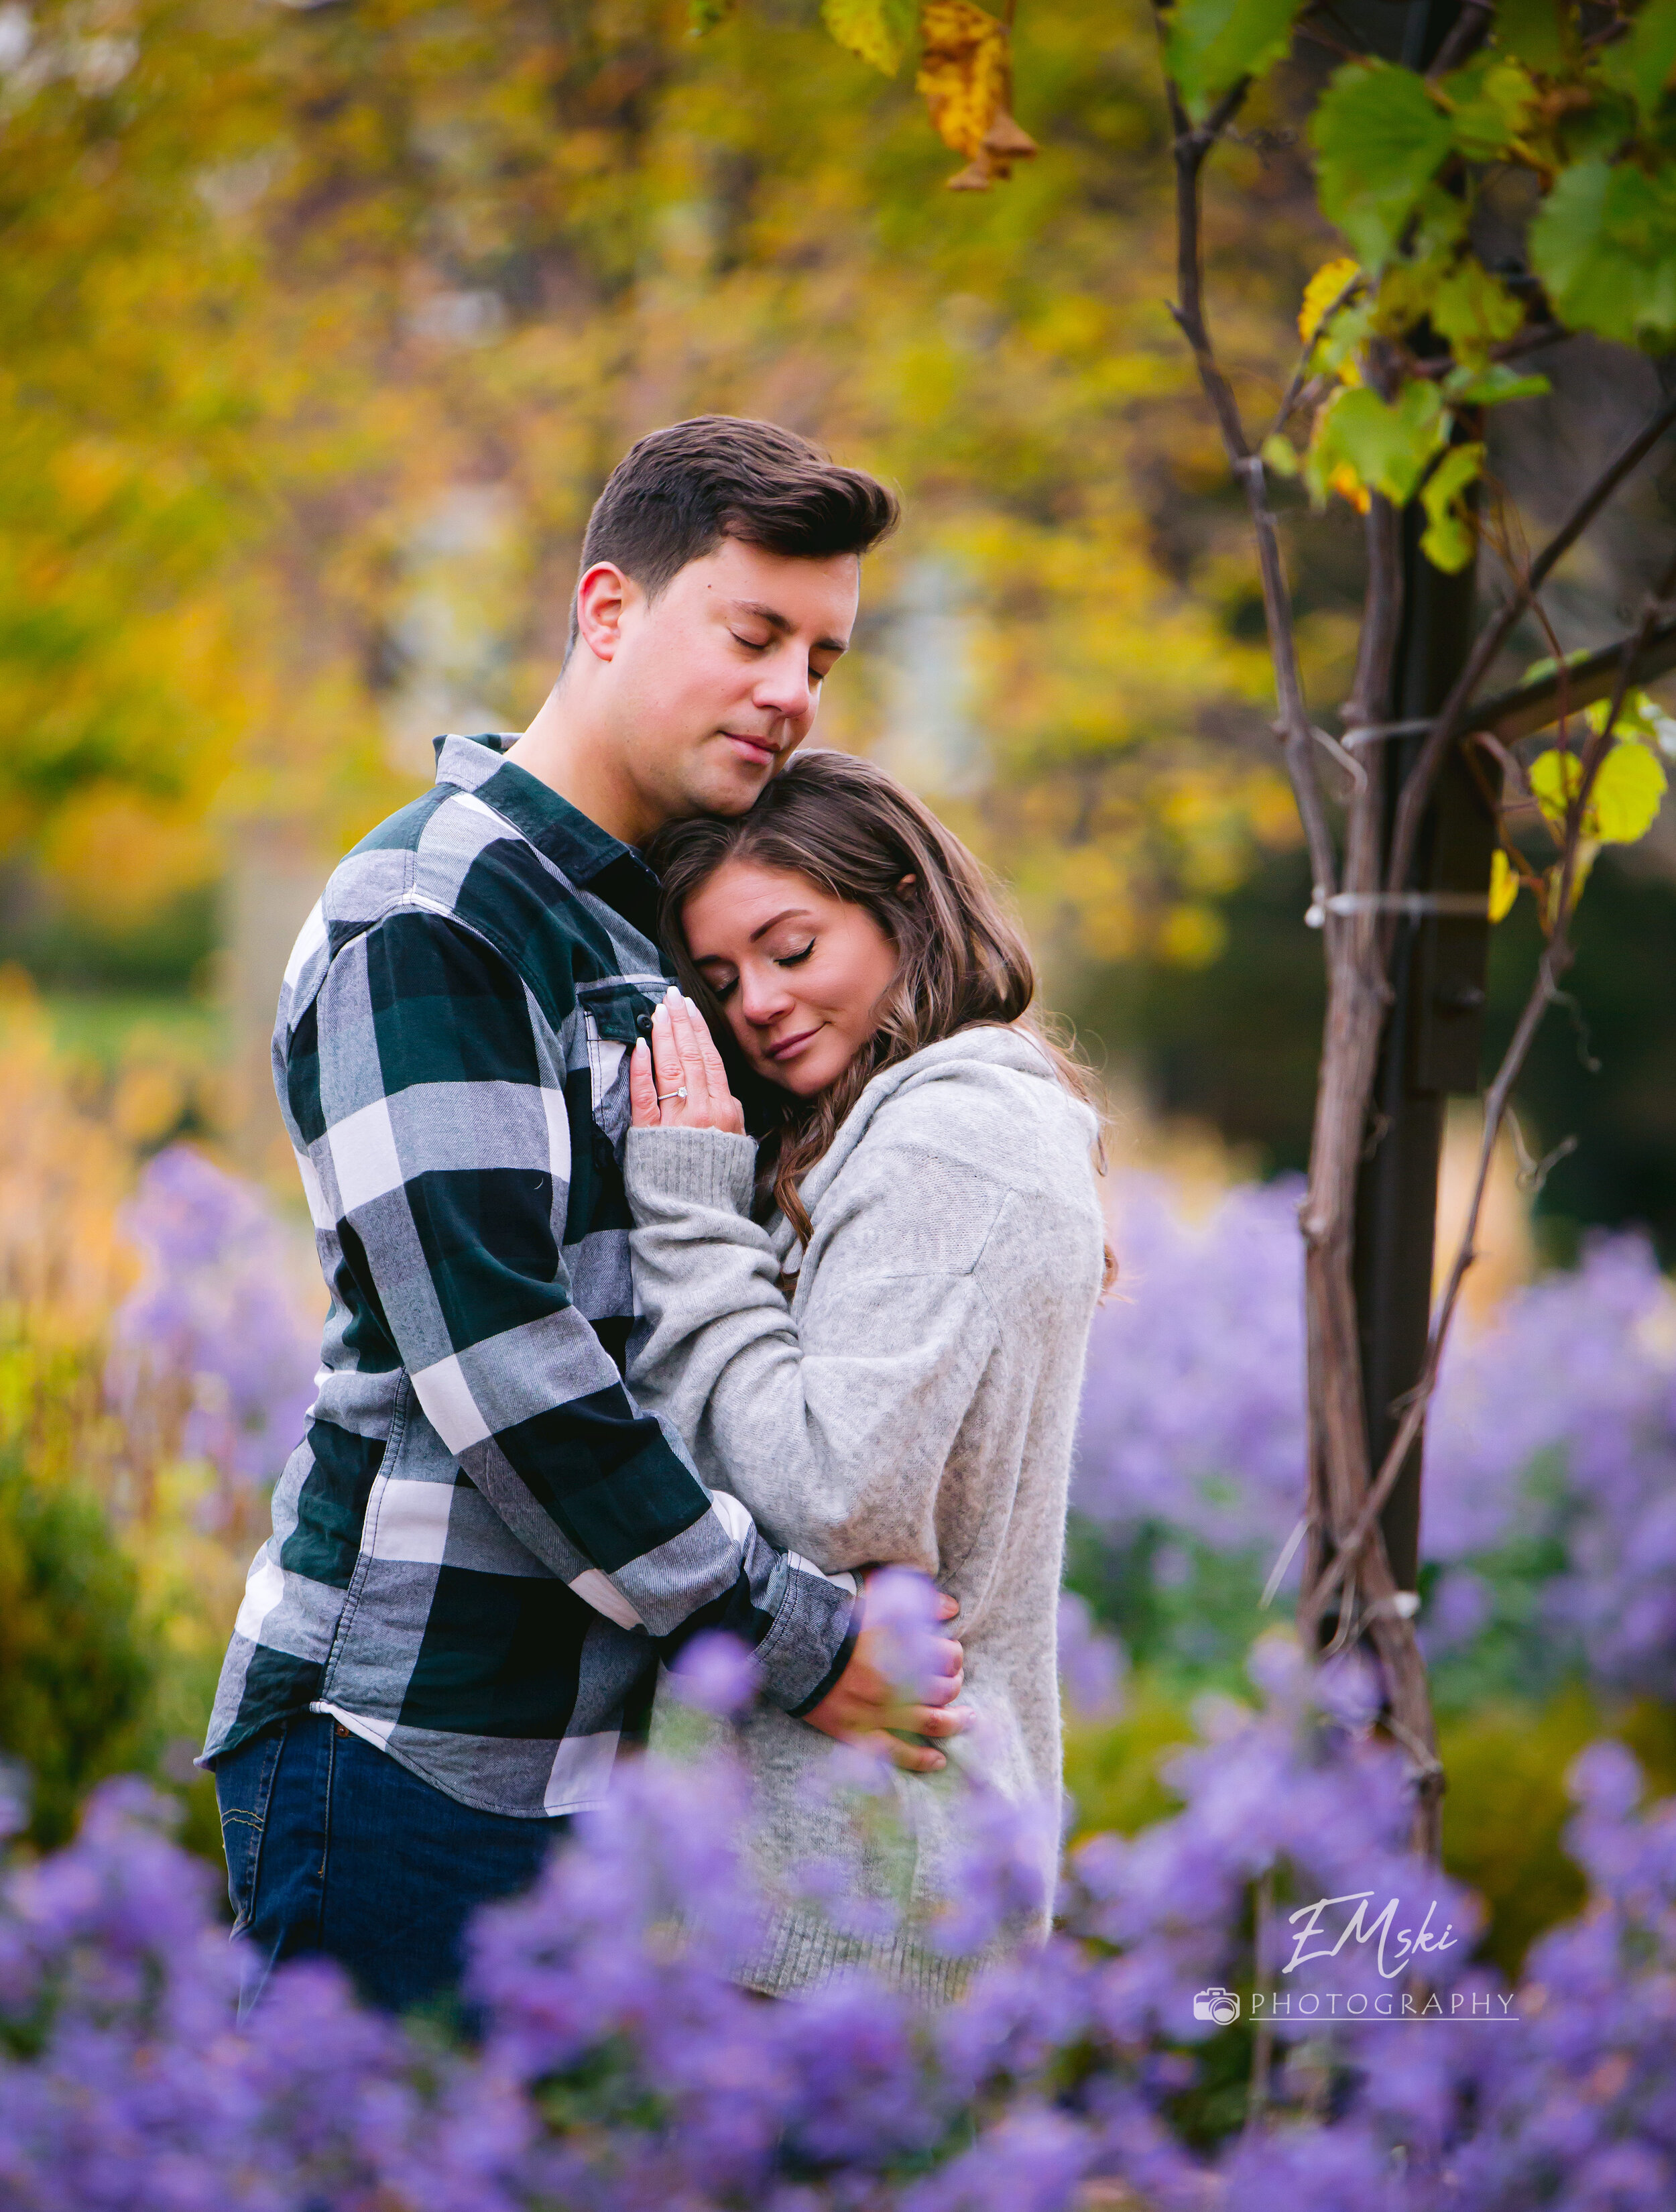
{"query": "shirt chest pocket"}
[(613, 1016)]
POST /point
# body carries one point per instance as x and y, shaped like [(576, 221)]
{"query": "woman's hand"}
[(681, 1084), (863, 1707)]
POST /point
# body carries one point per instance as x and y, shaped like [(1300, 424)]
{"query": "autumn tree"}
[(320, 329)]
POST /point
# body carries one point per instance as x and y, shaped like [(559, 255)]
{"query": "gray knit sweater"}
[(915, 1402)]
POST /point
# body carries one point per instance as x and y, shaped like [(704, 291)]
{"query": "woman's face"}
[(799, 974)]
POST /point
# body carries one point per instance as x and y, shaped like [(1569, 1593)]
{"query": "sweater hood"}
[(988, 1057)]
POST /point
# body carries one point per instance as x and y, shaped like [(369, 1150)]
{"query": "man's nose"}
[(782, 684)]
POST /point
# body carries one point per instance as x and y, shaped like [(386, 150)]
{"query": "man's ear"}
[(601, 596)]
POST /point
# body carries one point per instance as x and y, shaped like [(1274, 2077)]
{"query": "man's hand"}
[(863, 1704), (681, 1084)]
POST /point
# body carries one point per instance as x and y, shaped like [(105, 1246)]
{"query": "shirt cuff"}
[(809, 1645), (711, 1168)]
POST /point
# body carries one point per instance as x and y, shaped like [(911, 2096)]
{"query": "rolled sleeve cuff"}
[(809, 1646), (710, 1168)]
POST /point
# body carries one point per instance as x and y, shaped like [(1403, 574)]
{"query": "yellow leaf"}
[(877, 31), (1320, 292), (1622, 800), (1345, 481), (962, 72), (1503, 886), (1625, 798)]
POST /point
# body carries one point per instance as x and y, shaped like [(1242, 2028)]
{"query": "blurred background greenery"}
[(320, 326)]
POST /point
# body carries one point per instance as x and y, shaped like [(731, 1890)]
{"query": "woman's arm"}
[(835, 1433)]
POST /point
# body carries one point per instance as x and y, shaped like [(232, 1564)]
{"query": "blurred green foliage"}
[(74, 1679)]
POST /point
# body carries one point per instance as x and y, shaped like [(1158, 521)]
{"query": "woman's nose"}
[(764, 998)]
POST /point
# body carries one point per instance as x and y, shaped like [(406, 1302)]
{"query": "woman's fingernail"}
[(670, 994)]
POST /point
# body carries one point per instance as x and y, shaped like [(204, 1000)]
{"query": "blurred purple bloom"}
[(213, 1332), (900, 1609), (716, 1671), (1192, 1410), (1093, 1666)]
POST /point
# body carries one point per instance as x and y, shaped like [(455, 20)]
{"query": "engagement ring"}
[(681, 1093)]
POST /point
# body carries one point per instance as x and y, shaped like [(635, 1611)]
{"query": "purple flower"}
[(900, 1610), (212, 1341), (1093, 1666), (716, 1671)]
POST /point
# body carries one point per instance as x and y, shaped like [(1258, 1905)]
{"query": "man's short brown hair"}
[(675, 495)]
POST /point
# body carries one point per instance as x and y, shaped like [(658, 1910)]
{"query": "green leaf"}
[(1603, 244), (1489, 387), (1378, 138), (1547, 665), (1385, 447), (1641, 65), (1473, 311), (704, 15), (1448, 538), (878, 31), (1211, 44), (1281, 455), (1601, 128), (1537, 32), (1491, 102), (1622, 800)]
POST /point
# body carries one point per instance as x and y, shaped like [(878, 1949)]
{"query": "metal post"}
[(1432, 1043), (1434, 1033)]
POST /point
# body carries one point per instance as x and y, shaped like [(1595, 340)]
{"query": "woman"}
[(871, 1328)]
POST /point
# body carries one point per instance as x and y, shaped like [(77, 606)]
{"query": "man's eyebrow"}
[(783, 624)]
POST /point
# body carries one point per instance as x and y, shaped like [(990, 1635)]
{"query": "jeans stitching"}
[(256, 1819)]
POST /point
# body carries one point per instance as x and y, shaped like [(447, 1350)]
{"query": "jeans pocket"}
[(244, 1788)]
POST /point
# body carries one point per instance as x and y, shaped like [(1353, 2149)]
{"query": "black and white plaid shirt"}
[(482, 1548)]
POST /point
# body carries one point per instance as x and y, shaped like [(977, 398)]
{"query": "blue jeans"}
[(332, 1847)]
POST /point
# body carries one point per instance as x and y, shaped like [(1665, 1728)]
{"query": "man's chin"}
[(733, 789)]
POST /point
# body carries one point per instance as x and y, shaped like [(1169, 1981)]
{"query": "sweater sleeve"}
[(835, 1432)]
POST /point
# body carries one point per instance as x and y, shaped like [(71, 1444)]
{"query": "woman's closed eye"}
[(793, 959)]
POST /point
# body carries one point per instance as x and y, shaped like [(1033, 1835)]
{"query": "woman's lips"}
[(790, 1044)]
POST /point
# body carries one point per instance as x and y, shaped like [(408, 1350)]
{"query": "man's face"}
[(716, 682)]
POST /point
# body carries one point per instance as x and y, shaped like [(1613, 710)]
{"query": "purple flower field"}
[(1550, 1494), (618, 2068)]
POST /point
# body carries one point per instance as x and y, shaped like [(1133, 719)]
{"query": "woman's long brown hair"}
[(858, 834)]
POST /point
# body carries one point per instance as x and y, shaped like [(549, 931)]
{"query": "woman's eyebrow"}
[(791, 914)]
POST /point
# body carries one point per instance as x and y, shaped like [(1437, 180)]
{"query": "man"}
[(481, 1548)]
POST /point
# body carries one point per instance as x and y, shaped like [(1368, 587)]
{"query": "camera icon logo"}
[(1222, 2006)]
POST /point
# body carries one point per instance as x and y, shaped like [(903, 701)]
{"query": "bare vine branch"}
[(1471, 29), (1193, 144), (1453, 716)]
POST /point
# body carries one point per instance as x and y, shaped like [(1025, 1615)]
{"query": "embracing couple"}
[(602, 1371)]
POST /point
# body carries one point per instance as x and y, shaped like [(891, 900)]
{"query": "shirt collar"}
[(591, 857)]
